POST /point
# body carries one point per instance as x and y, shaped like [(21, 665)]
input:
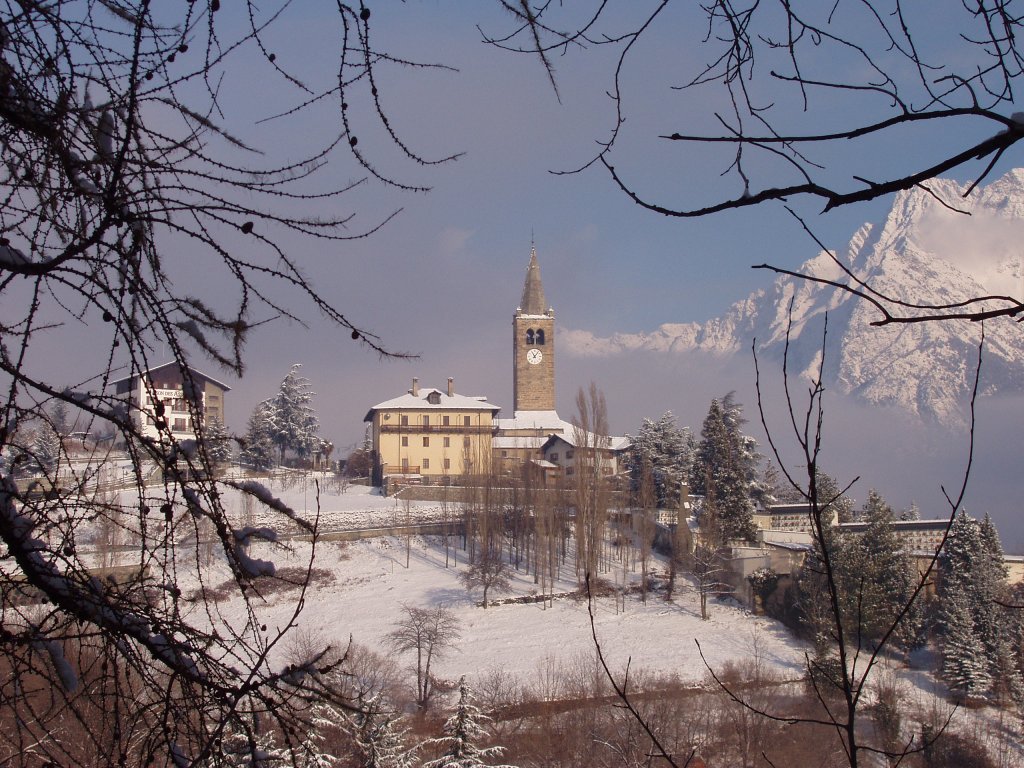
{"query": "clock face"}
[(534, 356)]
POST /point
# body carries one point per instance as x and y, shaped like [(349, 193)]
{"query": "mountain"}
[(936, 247)]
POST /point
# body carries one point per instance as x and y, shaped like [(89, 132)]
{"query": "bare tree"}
[(120, 152), (430, 632), (487, 571), (706, 568), (590, 483)]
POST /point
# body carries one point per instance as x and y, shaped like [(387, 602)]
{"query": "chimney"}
[(415, 387), (451, 386)]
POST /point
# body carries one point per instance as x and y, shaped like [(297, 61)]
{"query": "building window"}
[(529, 336), (179, 425), (568, 455), (504, 454), (568, 470), (447, 442), (540, 337), (426, 442), (426, 419), (405, 441), (446, 420), (466, 420), (426, 463), (447, 463), (405, 421), (554, 458), (465, 442), (405, 465)]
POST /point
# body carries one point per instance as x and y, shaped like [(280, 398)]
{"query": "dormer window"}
[(434, 398), (540, 337), (529, 336)]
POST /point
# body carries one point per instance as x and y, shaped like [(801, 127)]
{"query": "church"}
[(434, 436)]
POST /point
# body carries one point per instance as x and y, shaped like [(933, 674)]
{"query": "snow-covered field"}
[(360, 587), (369, 583)]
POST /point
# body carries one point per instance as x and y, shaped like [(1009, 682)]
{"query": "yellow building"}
[(431, 434)]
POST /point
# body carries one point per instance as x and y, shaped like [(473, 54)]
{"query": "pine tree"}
[(965, 667), (45, 447), (666, 450), (880, 578), (381, 740), (724, 470), (258, 450), (973, 582), (295, 422), (218, 442), (312, 751), (463, 732)]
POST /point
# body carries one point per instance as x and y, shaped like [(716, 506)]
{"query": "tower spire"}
[(533, 302)]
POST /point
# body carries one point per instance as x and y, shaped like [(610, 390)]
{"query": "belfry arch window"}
[(540, 336), (529, 336)]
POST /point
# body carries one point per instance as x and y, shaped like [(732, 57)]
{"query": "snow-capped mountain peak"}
[(936, 246)]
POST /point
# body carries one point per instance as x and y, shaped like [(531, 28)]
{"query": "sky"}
[(441, 280)]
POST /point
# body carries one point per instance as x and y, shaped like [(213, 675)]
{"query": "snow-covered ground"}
[(369, 583)]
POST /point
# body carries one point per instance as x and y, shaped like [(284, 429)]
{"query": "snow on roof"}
[(548, 420), (519, 441), (444, 401), (573, 438), (195, 372)]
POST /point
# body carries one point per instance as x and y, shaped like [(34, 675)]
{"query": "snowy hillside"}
[(361, 586), (925, 251)]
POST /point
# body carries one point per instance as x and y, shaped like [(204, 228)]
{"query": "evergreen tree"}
[(313, 752), (973, 580), (45, 447), (59, 418), (665, 449), (218, 442), (381, 740), (258, 450), (880, 578), (463, 732), (724, 470), (295, 422), (965, 667)]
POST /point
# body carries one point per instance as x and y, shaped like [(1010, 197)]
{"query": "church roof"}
[(533, 302)]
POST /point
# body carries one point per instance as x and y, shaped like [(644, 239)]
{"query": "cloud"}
[(452, 240), (983, 245)]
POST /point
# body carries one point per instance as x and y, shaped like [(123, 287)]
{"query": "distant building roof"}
[(574, 439), (174, 364), (429, 399), (545, 420)]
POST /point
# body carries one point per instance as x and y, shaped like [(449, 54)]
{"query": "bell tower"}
[(533, 346)]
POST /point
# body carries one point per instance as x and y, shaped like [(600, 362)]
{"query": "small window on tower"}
[(529, 336), (540, 336)]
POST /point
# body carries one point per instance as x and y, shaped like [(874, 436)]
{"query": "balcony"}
[(437, 429)]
